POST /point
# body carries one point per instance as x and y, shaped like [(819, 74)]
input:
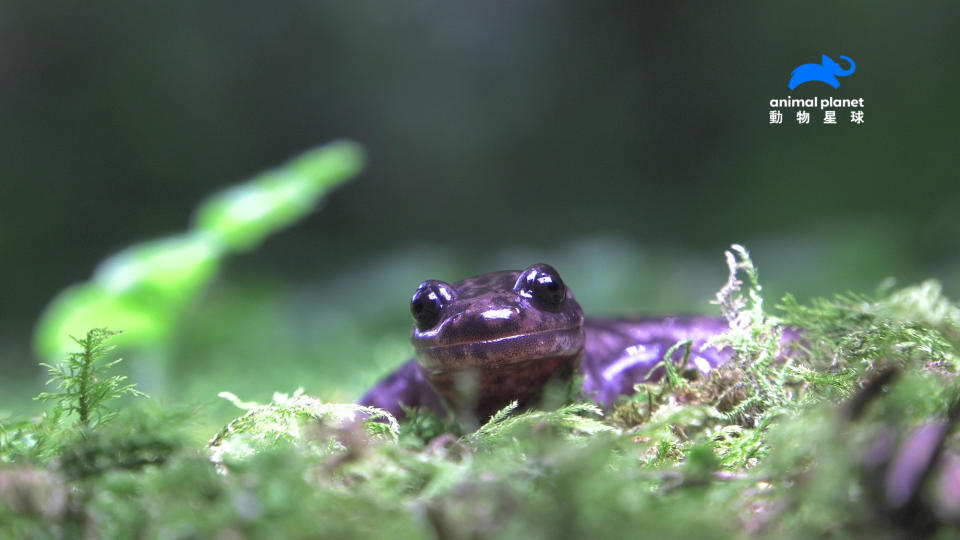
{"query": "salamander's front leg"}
[(406, 385)]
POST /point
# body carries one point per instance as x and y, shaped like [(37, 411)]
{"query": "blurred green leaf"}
[(242, 216), (89, 305), (143, 289), (169, 269)]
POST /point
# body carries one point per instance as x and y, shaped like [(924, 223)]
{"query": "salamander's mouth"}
[(482, 342), (500, 351)]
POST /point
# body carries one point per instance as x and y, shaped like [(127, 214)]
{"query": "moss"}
[(777, 442)]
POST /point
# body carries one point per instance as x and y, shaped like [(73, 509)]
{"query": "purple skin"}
[(491, 339)]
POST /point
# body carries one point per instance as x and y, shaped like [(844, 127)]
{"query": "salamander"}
[(488, 340)]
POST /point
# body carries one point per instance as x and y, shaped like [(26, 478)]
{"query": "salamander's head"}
[(491, 339)]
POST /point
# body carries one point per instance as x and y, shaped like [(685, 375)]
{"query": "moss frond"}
[(83, 386), (295, 418)]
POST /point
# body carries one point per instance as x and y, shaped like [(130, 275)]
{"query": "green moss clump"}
[(778, 442)]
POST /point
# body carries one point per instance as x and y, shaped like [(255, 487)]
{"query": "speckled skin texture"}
[(492, 346)]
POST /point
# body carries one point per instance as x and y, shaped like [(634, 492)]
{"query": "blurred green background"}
[(627, 144)]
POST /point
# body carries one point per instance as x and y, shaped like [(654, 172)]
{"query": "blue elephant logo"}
[(826, 71)]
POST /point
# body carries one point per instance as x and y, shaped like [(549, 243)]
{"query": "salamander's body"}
[(495, 338)]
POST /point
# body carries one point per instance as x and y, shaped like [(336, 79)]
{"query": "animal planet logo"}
[(826, 71)]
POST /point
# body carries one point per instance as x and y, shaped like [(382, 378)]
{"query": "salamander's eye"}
[(543, 286), (428, 301)]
